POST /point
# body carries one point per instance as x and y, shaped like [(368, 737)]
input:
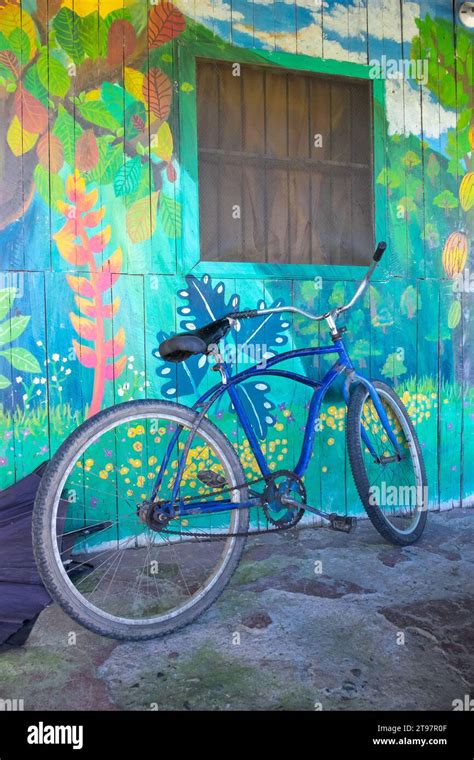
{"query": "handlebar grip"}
[(380, 251), (249, 314)]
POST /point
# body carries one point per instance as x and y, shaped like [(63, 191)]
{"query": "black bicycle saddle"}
[(180, 347)]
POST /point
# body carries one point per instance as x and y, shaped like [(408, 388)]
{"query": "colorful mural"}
[(99, 243)]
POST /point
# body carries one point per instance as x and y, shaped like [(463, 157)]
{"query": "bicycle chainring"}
[(276, 510)]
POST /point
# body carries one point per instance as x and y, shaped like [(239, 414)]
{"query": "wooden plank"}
[(451, 404), (30, 426), (276, 104), (299, 212), (321, 229), (277, 215), (341, 121), (341, 204), (309, 36), (253, 110), (428, 376), (253, 214), (298, 116), (320, 124), (230, 108)]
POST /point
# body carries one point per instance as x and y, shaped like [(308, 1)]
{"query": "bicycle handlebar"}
[(381, 247)]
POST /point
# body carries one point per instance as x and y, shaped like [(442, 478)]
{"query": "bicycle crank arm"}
[(336, 522)]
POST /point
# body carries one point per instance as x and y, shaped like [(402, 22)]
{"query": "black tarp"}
[(22, 594)]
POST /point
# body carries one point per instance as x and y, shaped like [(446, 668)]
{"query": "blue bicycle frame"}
[(229, 384)]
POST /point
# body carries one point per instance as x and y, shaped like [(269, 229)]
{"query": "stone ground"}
[(332, 638)]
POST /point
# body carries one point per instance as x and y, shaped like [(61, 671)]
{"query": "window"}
[(285, 165)]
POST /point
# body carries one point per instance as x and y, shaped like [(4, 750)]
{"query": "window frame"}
[(188, 262)]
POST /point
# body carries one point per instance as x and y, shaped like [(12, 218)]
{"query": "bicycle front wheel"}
[(101, 554), (393, 489)]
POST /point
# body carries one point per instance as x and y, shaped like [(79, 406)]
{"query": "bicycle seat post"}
[(219, 362)]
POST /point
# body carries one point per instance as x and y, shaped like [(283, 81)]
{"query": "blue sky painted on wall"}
[(339, 30)]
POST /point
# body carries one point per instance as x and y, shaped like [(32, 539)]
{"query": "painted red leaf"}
[(87, 151), (32, 114), (50, 153), (115, 370), (93, 218), (98, 242), (164, 23), (115, 345), (86, 356), (138, 123), (158, 93), (171, 172), (120, 42), (10, 61)]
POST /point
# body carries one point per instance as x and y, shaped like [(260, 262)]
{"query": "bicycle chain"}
[(209, 537)]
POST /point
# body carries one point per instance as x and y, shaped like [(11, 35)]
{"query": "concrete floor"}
[(379, 628)]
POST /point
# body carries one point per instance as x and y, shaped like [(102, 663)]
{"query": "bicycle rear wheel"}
[(394, 493), (101, 556)]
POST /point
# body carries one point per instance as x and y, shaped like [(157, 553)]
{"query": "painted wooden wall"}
[(99, 240)]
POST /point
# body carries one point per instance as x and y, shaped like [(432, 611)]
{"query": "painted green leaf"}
[(110, 162), (4, 382), (7, 296), (116, 99), (170, 216), (22, 359), (68, 131), (49, 186), (67, 25), (4, 44), (33, 84), (53, 74), (141, 218), (128, 177), (20, 45), (97, 113), (93, 35), (12, 329), (454, 315)]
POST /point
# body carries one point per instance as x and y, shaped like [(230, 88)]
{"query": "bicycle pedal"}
[(343, 524), (211, 479)]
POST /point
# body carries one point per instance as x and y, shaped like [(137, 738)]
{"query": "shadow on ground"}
[(379, 628)]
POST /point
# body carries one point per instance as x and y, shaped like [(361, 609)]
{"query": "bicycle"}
[(142, 514)]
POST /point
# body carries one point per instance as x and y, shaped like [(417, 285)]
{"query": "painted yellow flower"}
[(131, 433), (124, 470), (89, 462), (152, 460), (109, 467), (140, 481), (324, 468), (129, 492), (330, 441), (137, 446), (84, 7), (139, 430)]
